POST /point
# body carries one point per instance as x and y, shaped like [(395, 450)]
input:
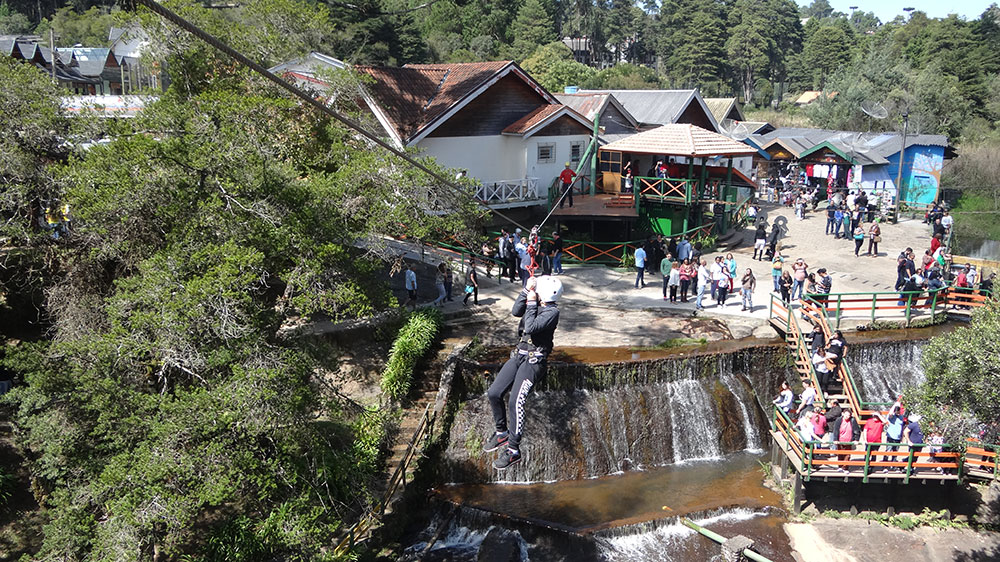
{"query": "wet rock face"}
[(500, 545), (586, 420)]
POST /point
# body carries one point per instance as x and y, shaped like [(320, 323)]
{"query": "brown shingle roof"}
[(414, 96), (680, 139)]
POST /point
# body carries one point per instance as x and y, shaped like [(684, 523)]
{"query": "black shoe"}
[(495, 442), (507, 458)]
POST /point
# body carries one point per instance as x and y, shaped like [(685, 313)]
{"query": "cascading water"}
[(695, 422), (747, 405), (584, 421), (885, 369)]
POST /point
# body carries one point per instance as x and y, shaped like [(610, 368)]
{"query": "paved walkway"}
[(601, 307)]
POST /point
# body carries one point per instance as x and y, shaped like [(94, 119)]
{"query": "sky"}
[(886, 10)]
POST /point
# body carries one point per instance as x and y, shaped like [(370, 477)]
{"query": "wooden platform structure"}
[(863, 462)]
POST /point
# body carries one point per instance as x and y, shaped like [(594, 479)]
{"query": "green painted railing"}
[(778, 308), (869, 305), (813, 456)]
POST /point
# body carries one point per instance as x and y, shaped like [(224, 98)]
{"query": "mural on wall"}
[(925, 177)]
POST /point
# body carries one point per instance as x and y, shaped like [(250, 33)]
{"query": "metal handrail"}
[(803, 353), (360, 530), (844, 372)]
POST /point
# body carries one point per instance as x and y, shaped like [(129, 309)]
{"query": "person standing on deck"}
[(566, 177)]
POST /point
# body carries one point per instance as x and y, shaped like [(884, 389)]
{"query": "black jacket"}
[(537, 322)]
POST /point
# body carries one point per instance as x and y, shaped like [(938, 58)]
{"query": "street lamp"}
[(902, 154)]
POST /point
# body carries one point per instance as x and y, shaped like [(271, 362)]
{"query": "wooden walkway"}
[(864, 462)]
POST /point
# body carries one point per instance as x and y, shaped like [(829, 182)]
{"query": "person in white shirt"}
[(947, 220), (703, 282), (806, 399), (411, 287), (717, 275), (805, 427), (785, 398), (640, 266)]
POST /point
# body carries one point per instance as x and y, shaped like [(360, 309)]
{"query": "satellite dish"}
[(857, 143), (874, 109), (734, 129)]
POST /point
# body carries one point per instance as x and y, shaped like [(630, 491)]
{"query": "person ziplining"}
[(539, 316)]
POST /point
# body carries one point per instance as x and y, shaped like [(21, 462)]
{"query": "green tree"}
[(164, 413), (691, 41), (625, 77), (960, 393), (818, 9), (532, 28), (12, 22), (90, 29), (554, 68), (748, 44), (826, 50)]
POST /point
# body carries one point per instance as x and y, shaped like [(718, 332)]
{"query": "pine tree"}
[(532, 27)]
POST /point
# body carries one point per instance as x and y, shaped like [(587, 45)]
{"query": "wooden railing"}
[(361, 530), (874, 460), (794, 336), (873, 306), (669, 190), (814, 313), (510, 191)]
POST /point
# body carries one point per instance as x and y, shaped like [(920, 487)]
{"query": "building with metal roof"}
[(725, 108), (652, 108)]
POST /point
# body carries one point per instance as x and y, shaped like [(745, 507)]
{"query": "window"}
[(546, 152), (575, 152), (611, 161)]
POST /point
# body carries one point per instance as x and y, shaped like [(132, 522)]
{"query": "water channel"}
[(620, 443)]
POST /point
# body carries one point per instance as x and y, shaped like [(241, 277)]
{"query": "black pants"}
[(872, 244), (891, 448), (512, 267), (474, 294), (517, 376), (567, 188), (857, 245), (685, 283)]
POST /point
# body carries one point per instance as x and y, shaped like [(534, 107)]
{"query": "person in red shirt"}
[(935, 243), (566, 176)]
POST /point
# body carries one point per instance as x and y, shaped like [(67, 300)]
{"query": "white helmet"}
[(548, 288)]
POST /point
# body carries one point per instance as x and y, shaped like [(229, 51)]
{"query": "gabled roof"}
[(590, 105), (810, 96), (309, 65), (721, 108), (659, 107), (681, 139), (875, 148), (539, 118), (412, 101), (91, 61)]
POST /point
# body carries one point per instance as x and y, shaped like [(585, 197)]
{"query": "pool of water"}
[(635, 516)]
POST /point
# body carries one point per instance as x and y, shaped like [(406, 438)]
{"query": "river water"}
[(691, 420)]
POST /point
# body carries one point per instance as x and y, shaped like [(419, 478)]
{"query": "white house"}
[(489, 118)]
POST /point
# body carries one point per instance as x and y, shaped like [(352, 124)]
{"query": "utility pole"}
[(52, 52), (902, 159)]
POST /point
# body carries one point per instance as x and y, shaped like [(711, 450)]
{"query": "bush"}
[(413, 341)]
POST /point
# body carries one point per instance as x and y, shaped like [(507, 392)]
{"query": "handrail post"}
[(839, 298), (934, 307), (909, 304), (809, 462), (874, 305), (868, 457), (909, 464)]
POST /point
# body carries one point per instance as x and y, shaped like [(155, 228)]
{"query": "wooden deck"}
[(594, 206)]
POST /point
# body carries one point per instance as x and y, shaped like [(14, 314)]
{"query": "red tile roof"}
[(416, 95), (680, 139), (526, 123)]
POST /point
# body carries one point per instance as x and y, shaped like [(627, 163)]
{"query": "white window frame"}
[(579, 146), (551, 146)]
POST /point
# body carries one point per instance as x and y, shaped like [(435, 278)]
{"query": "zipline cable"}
[(239, 57)]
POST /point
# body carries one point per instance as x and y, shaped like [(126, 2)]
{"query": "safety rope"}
[(315, 103)]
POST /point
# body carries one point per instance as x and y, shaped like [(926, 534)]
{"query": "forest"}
[(163, 417)]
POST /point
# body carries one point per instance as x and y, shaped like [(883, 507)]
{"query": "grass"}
[(927, 518), (673, 343)]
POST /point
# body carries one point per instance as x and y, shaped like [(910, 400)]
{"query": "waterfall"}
[(669, 540), (886, 369), (695, 424), (590, 420), (746, 403)]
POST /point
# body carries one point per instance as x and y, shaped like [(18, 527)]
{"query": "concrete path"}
[(601, 307)]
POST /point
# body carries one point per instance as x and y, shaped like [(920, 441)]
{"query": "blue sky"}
[(886, 10)]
